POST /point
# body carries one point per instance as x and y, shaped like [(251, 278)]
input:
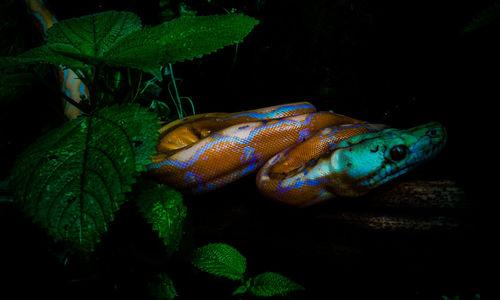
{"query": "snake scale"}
[(302, 156), (69, 83)]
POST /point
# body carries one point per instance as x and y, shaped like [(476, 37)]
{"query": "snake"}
[(69, 82), (302, 157)]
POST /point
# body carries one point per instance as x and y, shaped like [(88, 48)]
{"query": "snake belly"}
[(304, 156)]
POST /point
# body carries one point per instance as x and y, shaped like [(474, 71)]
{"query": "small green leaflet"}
[(118, 39), (74, 178), (163, 288), (271, 284), (221, 260), (163, 208)]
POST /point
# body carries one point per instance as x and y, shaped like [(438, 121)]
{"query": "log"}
[(415, 205), (442, 193), (411, 205)]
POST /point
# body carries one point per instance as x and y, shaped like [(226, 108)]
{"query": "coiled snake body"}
[(304, 156)]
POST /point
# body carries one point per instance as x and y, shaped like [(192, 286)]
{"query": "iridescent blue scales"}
[(70, 83), (350, 167), (304, 156)]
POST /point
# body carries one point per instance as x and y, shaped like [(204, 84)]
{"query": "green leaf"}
[(180, 39), (271, 284), (74, 178), (43, 54), (90, 38), (163, 288), (193, 36), (163, 208), (95, 34), (221, 260), (118, 39), (141, 128), (140, 50), (73, 42), (242, 289)]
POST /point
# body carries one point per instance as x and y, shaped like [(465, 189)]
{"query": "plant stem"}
[(177, 100), (66, 97)]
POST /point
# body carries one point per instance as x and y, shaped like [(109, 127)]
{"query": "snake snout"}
[(431, 139), (436, 130)]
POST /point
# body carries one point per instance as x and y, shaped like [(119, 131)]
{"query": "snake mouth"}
[(376, 180)]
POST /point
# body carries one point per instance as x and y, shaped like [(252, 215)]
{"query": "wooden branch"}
[(421, 194), (414, 205)]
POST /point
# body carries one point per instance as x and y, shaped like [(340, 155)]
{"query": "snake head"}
[(366, 161)]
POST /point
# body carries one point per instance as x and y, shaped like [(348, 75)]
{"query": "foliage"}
[(73, 179), (223, 260), (115, 40), (163, 208), (78, 174), (118, 39), (163, 288), (487, 17), (220, 260), (270, 284)]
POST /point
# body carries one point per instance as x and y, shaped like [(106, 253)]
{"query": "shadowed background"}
[(399, 63)]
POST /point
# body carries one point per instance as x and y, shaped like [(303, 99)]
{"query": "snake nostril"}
[(432, 132)]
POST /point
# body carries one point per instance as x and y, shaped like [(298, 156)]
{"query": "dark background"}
[(402, 63)]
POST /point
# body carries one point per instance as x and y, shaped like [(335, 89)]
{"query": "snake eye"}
[(398, 152)]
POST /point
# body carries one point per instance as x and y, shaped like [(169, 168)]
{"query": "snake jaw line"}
[(362, 168)]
